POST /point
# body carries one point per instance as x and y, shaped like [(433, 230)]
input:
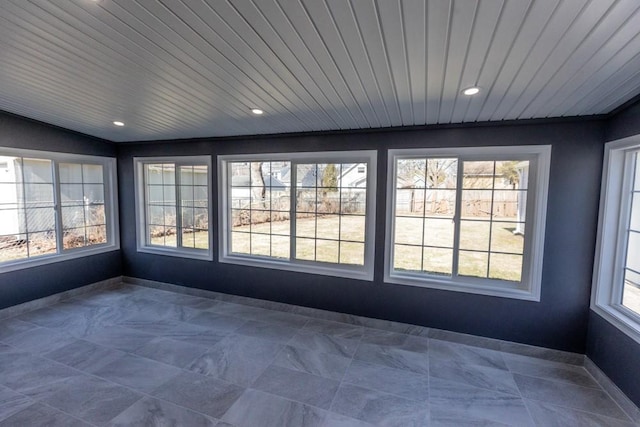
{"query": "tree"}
[(330, 178), (257, 182), (509, 172)]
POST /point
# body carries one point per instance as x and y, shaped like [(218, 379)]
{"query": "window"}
[(310, 212), (616, 294), (173, 208), (468, 219), (55, 206)]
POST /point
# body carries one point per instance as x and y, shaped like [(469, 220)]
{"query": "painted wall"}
[(25, 285), (614, 352), (558, 321)]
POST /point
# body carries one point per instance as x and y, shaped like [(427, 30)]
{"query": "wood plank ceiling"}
[(195, 68)]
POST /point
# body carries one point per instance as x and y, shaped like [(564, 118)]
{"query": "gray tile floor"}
[(140, 356)]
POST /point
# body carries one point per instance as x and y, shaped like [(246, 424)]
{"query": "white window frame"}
[(110, 201), (530, 285), (364, 272), (610, 258), (141, 216)]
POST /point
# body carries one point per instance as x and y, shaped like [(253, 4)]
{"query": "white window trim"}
[(537, 205), (613, 218), (111, 205), (141, 238), (338, 270)]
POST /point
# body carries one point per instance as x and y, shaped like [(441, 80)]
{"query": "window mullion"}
[(178, 195), (56, 206), (456, 219), (293, 201)]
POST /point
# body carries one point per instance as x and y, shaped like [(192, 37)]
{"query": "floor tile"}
[(392, 357), (194, 334), (325, 343), (138, 373), (313, 362), (266, 331), (532, 367), (153, 412), (255, 408), (449, 400), (237, 359), (299, 386), (13, 326), (378, 336), (120, 338), (217, 322), (548, 415), (91, 399), (394, 381), (379, 408), (207, 395), (40, 340), (473, 375), (12, 402), (84, 355), (34, 376), (335, 329), (465, 354), (337, 420), (148, 323), (571, 396), (171, 352), (42, 415)]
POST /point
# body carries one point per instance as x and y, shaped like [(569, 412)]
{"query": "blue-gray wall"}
[(558, 321), (614, 352), (25, 285)]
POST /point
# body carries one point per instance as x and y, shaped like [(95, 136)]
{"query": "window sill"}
[(202, 255), (299, 267), (54, 258), (503, 291), (628, 324)]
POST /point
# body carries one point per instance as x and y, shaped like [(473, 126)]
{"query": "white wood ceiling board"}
[(303, 64), (318, 63), (394, 43), (576, 34), (625, 41), (310, 111), (511, 18), (331, 36), (487, 19), (463, 22), (414, 15), (344, 17), (438, 26), (535, 40), (368, 22)]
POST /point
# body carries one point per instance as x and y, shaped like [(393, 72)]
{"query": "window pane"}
[(512, 174), (478, 175), (440, 203), (42, 243), (93, 174), (409, 230), (73, 238), (476, 204), (506, 204), (94, 193), (352, 253), (633, 251), (410, 201), (10, 169), (407, 258), (153, 174), (38, 194), (37, 170), (505, 238), (305, 225), (411, 173), (188, 237), (631, 291), (40, 219), (13, 247), (71, 194), (442, 173), (260, 244), (327, 251), (330, 226), (306, 249), (473, 264), (505, 267), (439, 232), (280, 223), (240, 243), (634, 224), (438, 261), (70, 173), (73, 217), (353, 201), (474, 235), (352, 227), (280, 247)]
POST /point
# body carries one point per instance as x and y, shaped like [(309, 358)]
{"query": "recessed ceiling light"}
[(117, 123), (257, 111), (471, 91)]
